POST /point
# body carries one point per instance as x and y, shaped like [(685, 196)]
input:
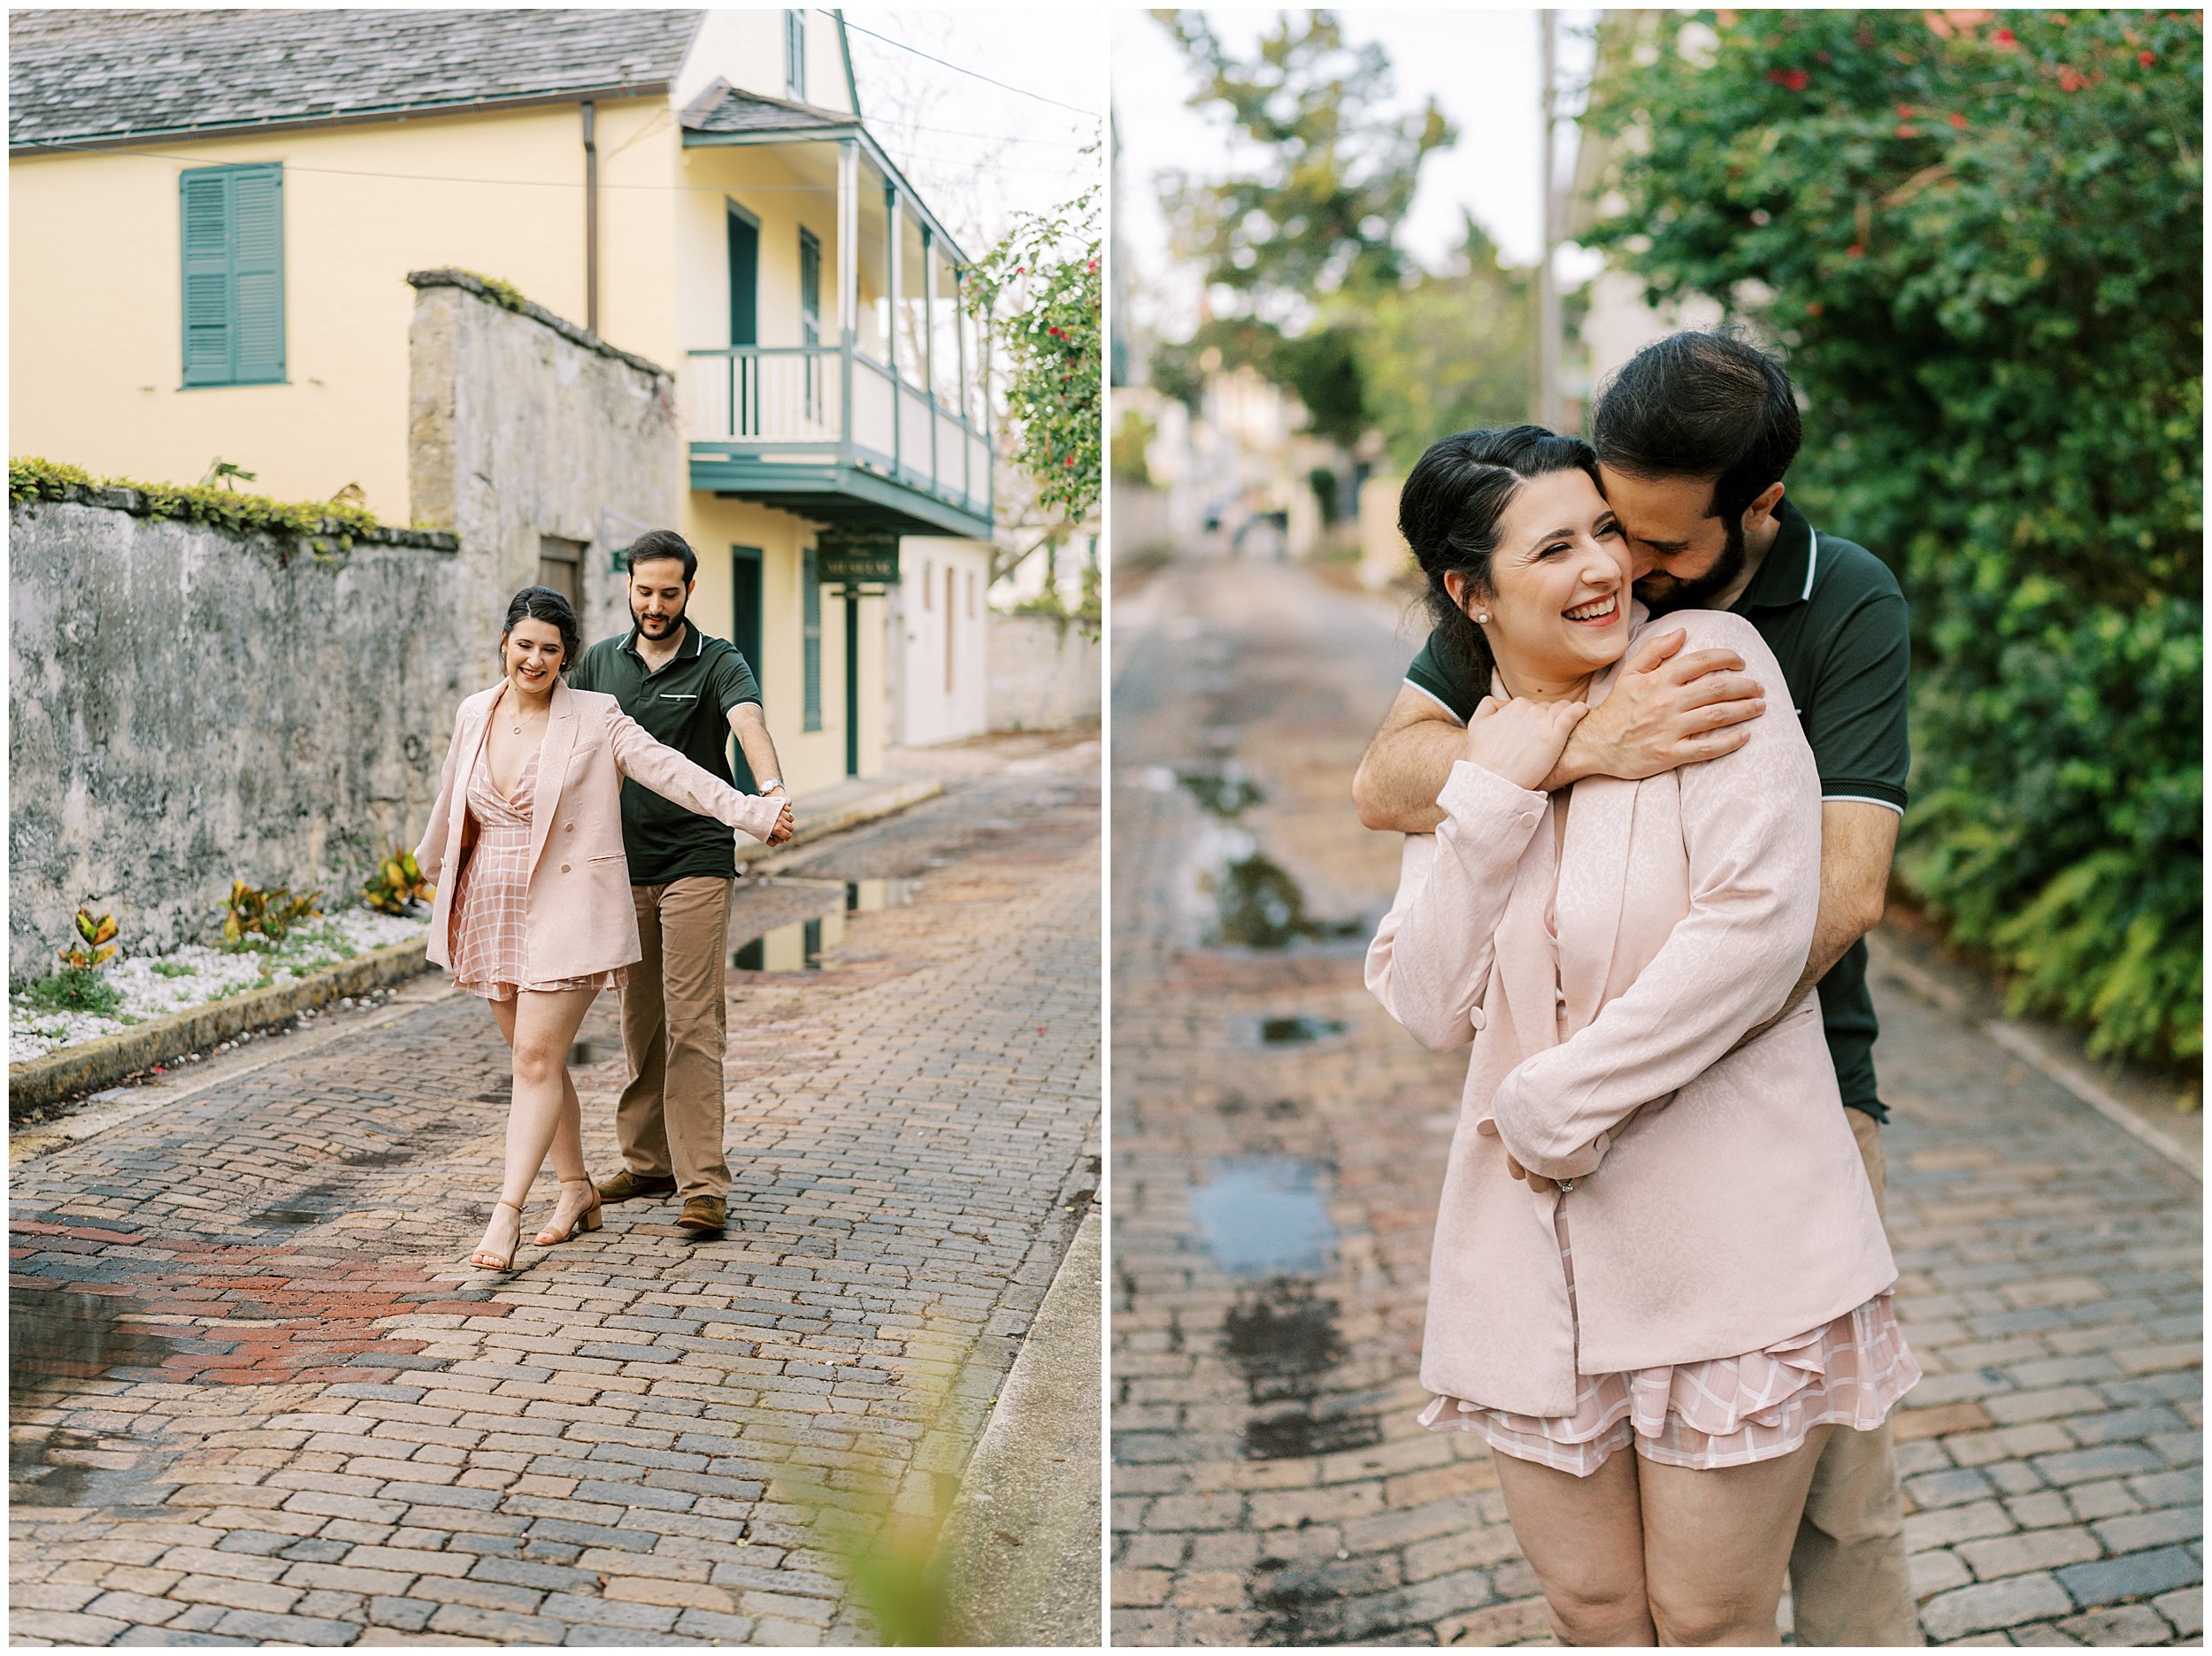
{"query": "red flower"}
[(2069, 79), (1796, 79), (2005, 37), (1855, 250), (1958, 121), (2147, 59), (1908, 132), (1904, 110)]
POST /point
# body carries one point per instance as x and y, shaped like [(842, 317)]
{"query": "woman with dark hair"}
[(1657, 1234), (537, 917)]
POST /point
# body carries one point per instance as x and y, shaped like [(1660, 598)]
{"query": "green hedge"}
[(324, 524), (1978, 238)]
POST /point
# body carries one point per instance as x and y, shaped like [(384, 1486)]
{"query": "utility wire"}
[(958, 69)]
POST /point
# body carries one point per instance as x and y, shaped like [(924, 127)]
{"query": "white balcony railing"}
[(762, 399)]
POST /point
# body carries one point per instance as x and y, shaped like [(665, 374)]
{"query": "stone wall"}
[(192, 705), (1044, 674)]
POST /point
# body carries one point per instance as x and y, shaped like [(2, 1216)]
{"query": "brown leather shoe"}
[(704, 1216), (626, 1184)]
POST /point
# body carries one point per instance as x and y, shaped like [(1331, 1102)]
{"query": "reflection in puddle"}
[(1262, 1215), (1262, 908), (799, 947), (59, 1334), (1228, 792), (1291, 1031)]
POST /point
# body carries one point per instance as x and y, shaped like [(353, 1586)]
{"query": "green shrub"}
[(326, 526), (75, 989), (1978, 238)]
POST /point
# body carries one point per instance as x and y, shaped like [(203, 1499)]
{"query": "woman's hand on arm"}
[(1519, 739)]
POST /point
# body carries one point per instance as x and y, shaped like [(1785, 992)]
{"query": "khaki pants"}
[(1849, 1579), (675, 1025)]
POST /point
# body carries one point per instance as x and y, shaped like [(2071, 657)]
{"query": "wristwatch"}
[(773, 785)]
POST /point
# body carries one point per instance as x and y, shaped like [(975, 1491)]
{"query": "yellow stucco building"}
[(213, 215)]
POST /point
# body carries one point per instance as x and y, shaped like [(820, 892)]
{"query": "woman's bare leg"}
[(538, 1026), (1715, 1545), (1584, 1537)]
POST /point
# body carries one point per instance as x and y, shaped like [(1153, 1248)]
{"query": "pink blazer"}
[(579, 919), (1720, 1204)]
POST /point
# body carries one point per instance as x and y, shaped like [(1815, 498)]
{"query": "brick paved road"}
[(1273, 1202), (310, 1422)]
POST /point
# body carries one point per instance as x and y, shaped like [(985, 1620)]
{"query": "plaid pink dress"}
[(494, 890), (1723, 1412)]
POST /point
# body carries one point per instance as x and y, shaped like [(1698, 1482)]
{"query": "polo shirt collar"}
[(1786, 576), (698, 642)]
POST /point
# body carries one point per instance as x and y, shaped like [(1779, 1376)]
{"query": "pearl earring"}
[(1482, 617)]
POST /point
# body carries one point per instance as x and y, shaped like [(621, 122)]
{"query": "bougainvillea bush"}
[(1977, 238)]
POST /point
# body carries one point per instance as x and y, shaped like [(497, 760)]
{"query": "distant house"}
[(213, 213)]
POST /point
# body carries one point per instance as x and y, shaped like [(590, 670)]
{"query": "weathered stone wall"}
[(1044, 674), (192, 706)]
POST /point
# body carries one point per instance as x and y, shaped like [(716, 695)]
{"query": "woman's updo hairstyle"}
[(1450, 510), (542, 603)]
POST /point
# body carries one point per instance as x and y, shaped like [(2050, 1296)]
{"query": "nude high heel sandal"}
[(593, 1217), (483, 1253)]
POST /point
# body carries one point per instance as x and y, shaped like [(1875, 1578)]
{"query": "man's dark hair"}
[(1703, 405), (664, 543)]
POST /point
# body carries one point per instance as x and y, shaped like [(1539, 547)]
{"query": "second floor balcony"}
[(852, 390), (828, 419)]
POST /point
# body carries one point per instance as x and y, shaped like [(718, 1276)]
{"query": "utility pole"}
[(1549, 410)]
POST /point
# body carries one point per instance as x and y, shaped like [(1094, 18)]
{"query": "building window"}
[(233, 275), (929, 575), (971, 595), (951, 576), (561, 567), (795, 54), (810, 633)]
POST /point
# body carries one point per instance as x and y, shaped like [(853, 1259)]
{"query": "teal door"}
[(744, 322), (745, 633), (852, 685)]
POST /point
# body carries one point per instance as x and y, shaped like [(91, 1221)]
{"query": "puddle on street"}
[(1228, 792), (1261, 907), (1264, 1216), (1296, 1031), (799, 947), (61, 1334)]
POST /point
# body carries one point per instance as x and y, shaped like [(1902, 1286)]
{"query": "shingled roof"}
[(723, 108), (89, 75)]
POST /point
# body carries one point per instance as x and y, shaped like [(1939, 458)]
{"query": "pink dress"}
[(489, 901), (1722, 1412)]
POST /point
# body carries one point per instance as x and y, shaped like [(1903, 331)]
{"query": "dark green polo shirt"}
[(1833, 616), (687, 705)]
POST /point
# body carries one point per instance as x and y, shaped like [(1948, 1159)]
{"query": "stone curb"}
[(1021, 1542), (97, 1063), (2022, 1042)]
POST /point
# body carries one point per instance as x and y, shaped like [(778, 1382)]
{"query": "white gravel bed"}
[(154, 985)]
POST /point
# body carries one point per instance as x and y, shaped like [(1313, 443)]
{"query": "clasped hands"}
[(1666, 708)]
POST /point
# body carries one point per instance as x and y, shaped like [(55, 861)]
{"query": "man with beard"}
[(692, 693), (1693, 437)]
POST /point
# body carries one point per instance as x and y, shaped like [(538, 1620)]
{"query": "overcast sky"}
[(979, 153), (1480, 65)]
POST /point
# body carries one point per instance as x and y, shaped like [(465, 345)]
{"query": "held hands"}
[(785, 825), (1666, 709), (1520, 740)]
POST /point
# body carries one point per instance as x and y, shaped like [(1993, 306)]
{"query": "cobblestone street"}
[(259, 1396), (1278, 1153)]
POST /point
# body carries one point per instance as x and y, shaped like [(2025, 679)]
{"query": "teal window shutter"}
[(233, 275), (810, 633)]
